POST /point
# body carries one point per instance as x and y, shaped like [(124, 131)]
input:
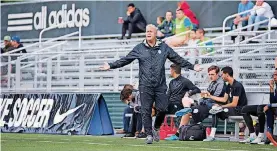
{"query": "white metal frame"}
[(58, 25), (53, 61), (236, 14)]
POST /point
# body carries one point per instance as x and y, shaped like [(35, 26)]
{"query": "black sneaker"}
[(141, 136), (129, 135), (267, 142)]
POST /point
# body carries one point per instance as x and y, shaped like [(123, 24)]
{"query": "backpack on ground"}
[(194, 132)]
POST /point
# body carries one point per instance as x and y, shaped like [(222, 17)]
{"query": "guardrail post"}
[(81, 73), (236, 62), (35, 71), (49, 75), (131, 73), (116, 74), (9, 67), (17, 76), (269, 28), (80, 30)]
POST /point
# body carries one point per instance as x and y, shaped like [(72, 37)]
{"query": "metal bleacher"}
[(62, 65)]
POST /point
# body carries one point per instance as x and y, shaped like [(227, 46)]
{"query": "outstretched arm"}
[(121, 62), (175, 58)]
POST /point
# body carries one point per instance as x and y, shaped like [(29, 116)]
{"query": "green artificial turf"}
[(43, 142)]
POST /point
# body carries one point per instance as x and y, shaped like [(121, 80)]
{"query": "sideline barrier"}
[(55, 113)]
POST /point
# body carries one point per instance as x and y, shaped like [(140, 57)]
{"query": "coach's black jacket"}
[(151, 62)]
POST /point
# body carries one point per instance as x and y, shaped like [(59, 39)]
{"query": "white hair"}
[(151, 26)]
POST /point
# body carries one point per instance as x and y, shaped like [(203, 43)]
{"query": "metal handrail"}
[(36, 44), (56, 26), (261, 35), (65, 51), (27, 55), (236, 14), (180, 34), (231, 32)]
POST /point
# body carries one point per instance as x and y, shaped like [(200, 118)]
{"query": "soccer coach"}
[(151, 55)]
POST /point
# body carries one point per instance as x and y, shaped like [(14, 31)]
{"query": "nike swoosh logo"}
[(60, 117)]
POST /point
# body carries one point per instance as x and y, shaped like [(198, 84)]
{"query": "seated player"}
[(216, 88), (271, 109)]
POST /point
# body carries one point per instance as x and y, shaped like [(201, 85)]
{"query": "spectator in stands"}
[(132, 98), (7, 45), (200, 34), (180, 87), (160, 20), (192, 42), (167, 26), (201, 111), (261, 11), (15, 41), (182, 22), (135, 22), (271, 109), (182, 25), (189, 13), (152, 55), (242, 20)]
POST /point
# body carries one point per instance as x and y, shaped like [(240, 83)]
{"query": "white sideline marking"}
[(99, 144), (46, 141), (61, 142), (133, 145)]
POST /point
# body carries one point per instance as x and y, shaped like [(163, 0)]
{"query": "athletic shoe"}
[(129, 135), (156, 135), (184, 111), (141, 135), (172, 138), (257, 140), (209, 139), (271, 138), (248, 140), (266, 142), (149, 139), (215, 110)]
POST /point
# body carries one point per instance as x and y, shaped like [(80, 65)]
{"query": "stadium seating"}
[(60, 66)]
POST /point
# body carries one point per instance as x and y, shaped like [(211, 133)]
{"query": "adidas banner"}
[(80, 114)]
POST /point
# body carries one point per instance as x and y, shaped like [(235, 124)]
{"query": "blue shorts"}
[(208, 102)]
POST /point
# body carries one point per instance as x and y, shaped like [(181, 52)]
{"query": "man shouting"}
[(151, 55)]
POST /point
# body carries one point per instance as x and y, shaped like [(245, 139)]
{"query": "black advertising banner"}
[(27, 19), (52, 113)]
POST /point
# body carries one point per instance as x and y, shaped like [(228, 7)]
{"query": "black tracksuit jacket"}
[(151, 62)]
